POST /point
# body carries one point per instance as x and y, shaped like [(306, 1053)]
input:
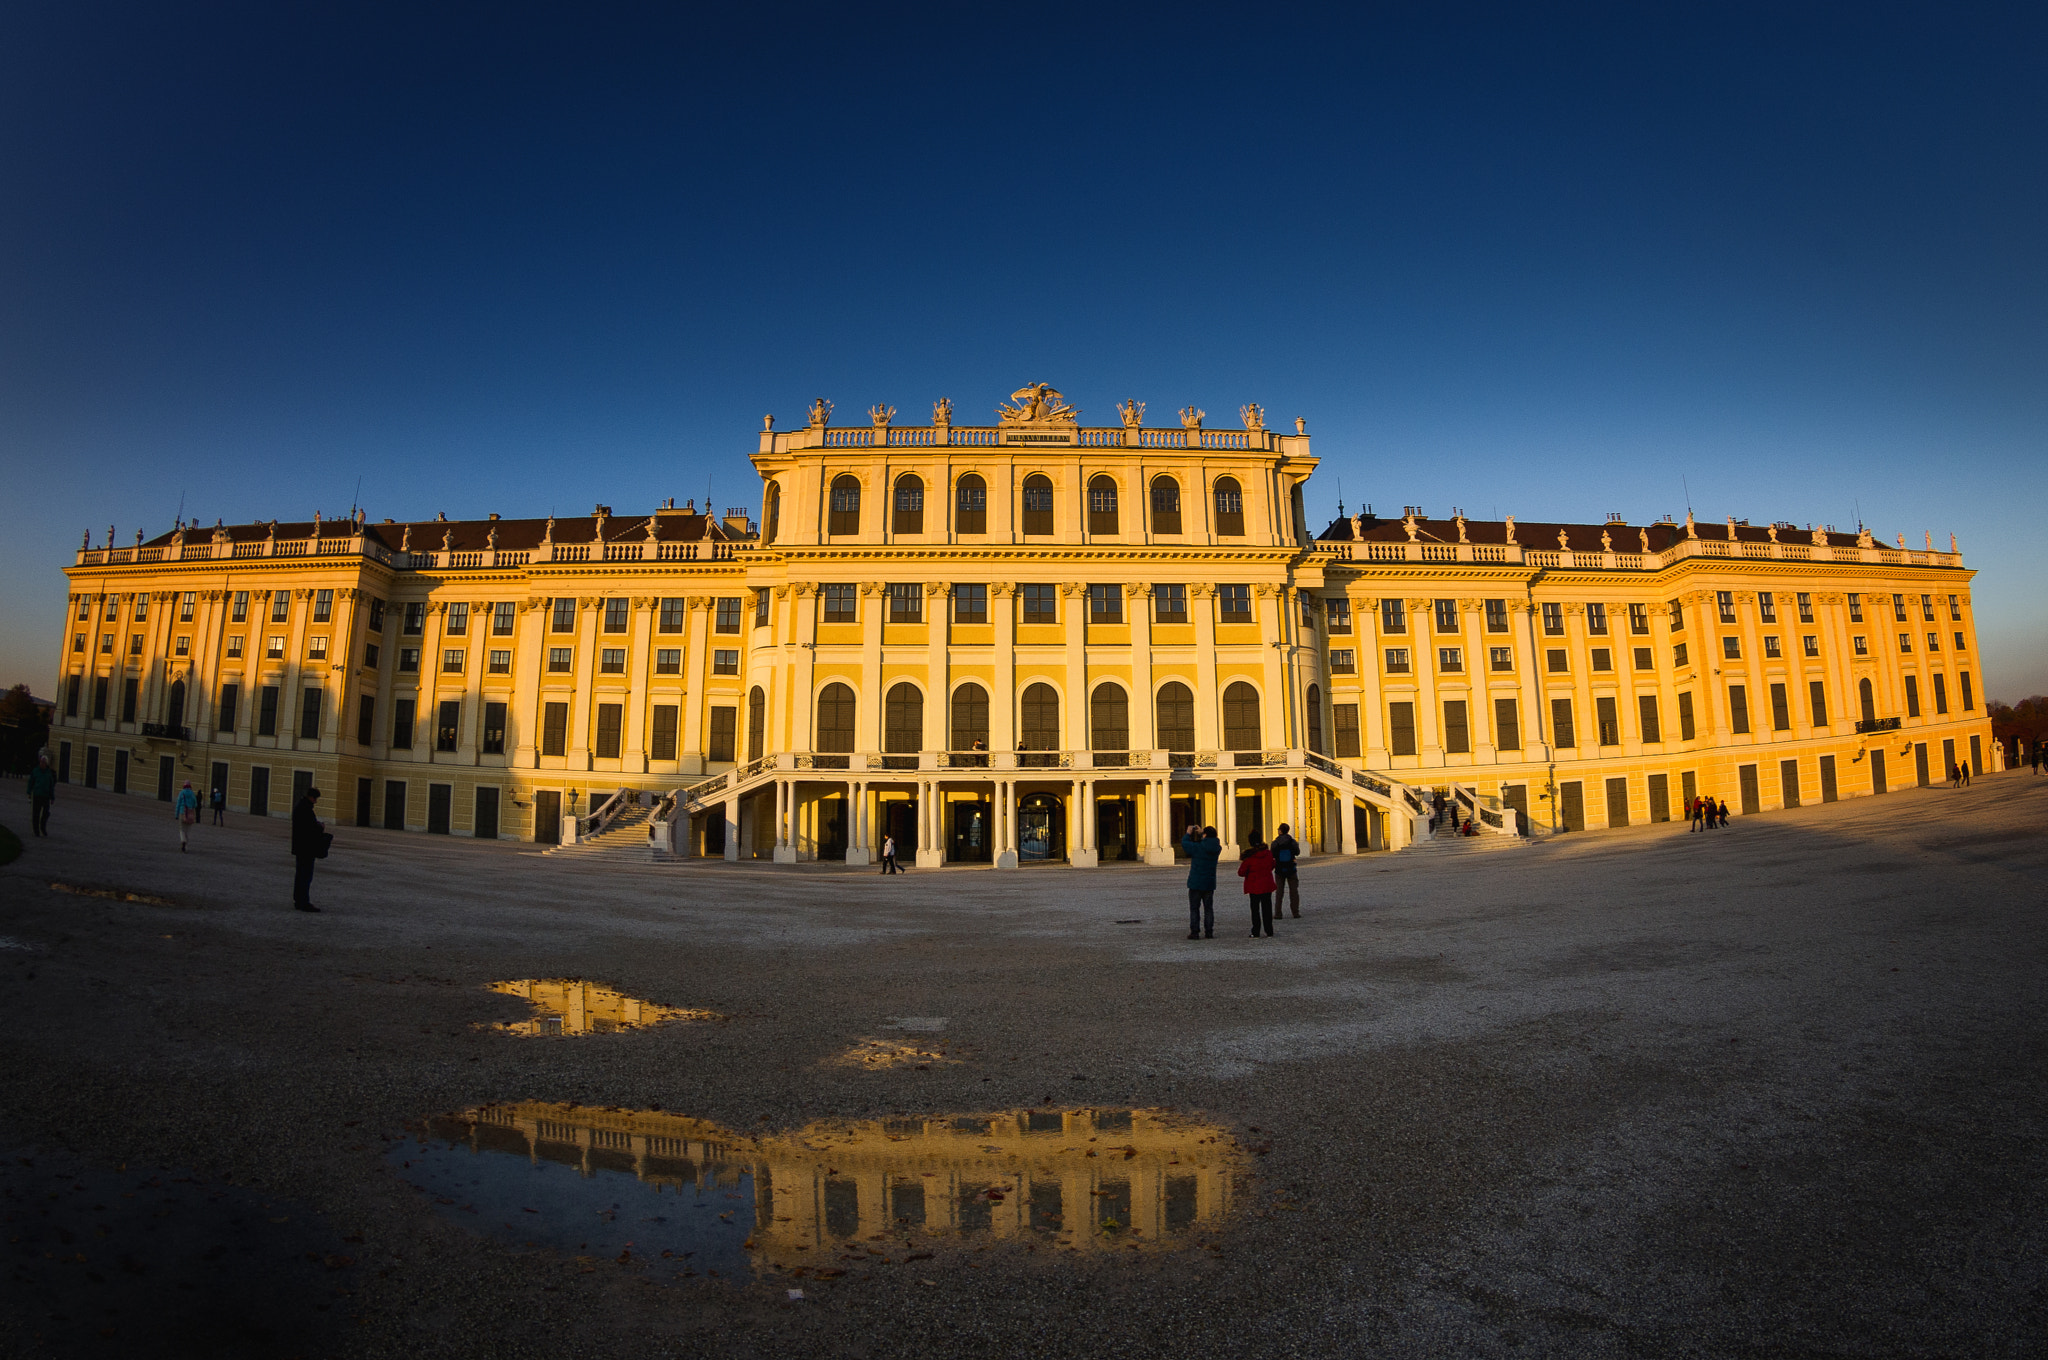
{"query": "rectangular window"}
[(135, 644), (99, 698), (184, 647), (72, 686), (1817, 702), (366, 720), (189, 601), (668, 661), (1105, 603), (1308, 612), (1644, 659), (762, 596), (1955, 608), (1940, 693), (1731, 648), (409, 660), (617, 614), (230, 698), (1927, 608), (113, 608), (1041, 604), (610, 719), (1169, 604), (369, 652), (1553, 618), (1446, 615), (1393, 617), (1912, 696), (452, 660), (323, 606), (1685, 727), (611, 661), (415, 619), (1969, 697), (1496, 616), (273, 647), (724, 733), (971, 517), (1596, 619), (1233, 604), (1781, 710), (1557, 661), (106, 644), (1507, 725), (554, 729), (728, 618), (1449, 659), (1603, 659), (1905, 642), (1677, 616), (1338, 612), (1501, 658), (1726, 600), (501, 662), (1766, 606), (1639, 619), (1861, 644), (84, 607), (131, 691), (559, 659), (494, 730), (970, 604), (266, 713), (1604, 713), (1959, 642), (1811, 643), (458, 618), (281, 606), (1397, 661), (1771, 650), (1934, 642), (1646, 705), (1457, 732), (1343, 661), (78, 642), (1345, 729), (504, 615), (1898, 608), (376, 611), (446, 731), (309, 715), (1037, 506), (906, 603), (1855, 607), (673, 610), (1562, 734), (841, 603), (562, 614), (142, 607), (235, 647), (1805, 606), (402, 724), (1738, 709), (1401, 729), (661, 736), (725, 661)]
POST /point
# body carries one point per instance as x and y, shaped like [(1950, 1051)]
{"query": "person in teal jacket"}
[(42, 788), (1202, 856), (186, 810)]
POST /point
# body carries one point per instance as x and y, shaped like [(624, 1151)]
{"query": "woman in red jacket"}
[(1256, 869)]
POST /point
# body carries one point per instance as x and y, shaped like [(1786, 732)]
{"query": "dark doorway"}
[(547, 817), (363, 787), (1752, 801), (1186, 815), (166, 777), (1788, 782), (219, 783), (174, 711), (1617, 801), (831, 828), (1948, 758), (1251, 818), (1977, 755), (121, 769), (899, 819), (714, 832), (972, 840), (1361, 826), (1877, 784), (1116, 829), (259, 791), (1516, 796), (1571, 806), (1041, 829), (63, 762), (1827, 779), (92, 767), (394, 805), (439, 797), (1660, 797), (487, 814), (1919, 766)]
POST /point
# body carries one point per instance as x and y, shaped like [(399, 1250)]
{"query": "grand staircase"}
[(1445, 840), (623, 841)]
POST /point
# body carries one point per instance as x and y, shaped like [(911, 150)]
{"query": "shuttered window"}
[(1562, 733), (724, 729), (1507, 725), (1604, 712), (903, 719), (835, 719), (844, 517), (1738, 709), (757, 722), (1176, 705), (1817, 702), (1685, 727), (1240, 717), (1344, 723), (1314, 714), (554, 729), (1457, 735), (1401, 729), (610, 719), (661, 736), (1646, 706)]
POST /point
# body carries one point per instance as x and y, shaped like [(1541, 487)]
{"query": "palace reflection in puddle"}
[(672, 1191), (573, 1006)]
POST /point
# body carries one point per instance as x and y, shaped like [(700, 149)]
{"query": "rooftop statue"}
[(821, 412), (1564, 541), (1253, 415), (942, 411), (1191, 417), (1301, 424), (881, 415), (1408, 523), (1461, 530), (1037, 404), (1606, 541), (1691, 530), (1644, 535), (1863, 538), (1511, 528), (1132, 412)]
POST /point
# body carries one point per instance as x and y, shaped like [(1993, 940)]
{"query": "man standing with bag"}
[(309, 843), (1287, 883), (1202, 855)]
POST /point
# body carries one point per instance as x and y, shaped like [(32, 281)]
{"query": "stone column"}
[(804, 628), (1002, 703), (1429, 739), (639, 666), (1074, 717), (1278, 726), (867, 712), (1138, 614), (938, 626), (1006, 823), (858, 836), (529, 663), (730, 811), (1347, 825), (697, 673), (1081, 849)]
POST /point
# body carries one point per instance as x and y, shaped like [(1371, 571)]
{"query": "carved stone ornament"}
[(1418, 606), (1073, 590), (1518, 606), (699, 602), (1606, 541), (1133, 589), (1132, 413), (1201, 590), (871, 587), (1037, 404), (782, 592), (1191, 417), (1301, 424), (821, 413), (1511, 528), (1574, 607), (1265, 590), (1408, 523), (1644, 536), (1460, 521), (1253, 415), (1863, 538), (942, 411), (1001, 590), (590, 601), (1471, 606), (804, 589), (1564, 542), (938, 588), (881, 415)]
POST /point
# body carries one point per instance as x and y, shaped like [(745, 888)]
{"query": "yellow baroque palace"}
[(1012, 643)]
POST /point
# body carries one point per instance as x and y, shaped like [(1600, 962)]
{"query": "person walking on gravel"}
[(1286, 882), (309, 846), (220, 805), (1202, 853), (42, 789), (1256, 869), (889, 865), (186, 811)]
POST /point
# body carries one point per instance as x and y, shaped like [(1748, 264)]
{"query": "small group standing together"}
[(1705, 814), (1959, 775), (1268, 871)]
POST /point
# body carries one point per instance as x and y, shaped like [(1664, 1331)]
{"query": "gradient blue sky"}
[(1539, 260)]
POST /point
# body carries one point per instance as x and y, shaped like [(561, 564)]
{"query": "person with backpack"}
[(1202, 851), (1286, 882), (186, 810), (220, 805)]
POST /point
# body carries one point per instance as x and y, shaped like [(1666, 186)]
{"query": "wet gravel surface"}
[(1772, 1091)]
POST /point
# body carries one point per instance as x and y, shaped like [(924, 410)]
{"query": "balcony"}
[(1878, 725), (167, 731)]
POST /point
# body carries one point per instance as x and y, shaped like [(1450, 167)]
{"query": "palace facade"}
[(1022, 642)]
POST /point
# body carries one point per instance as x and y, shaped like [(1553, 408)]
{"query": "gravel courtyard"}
[(1777, 1090)]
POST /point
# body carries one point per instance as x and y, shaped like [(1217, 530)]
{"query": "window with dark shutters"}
[(1646, 705), (1039, 711), (1781, 709), (1940, 693), (757, 722), (1229, 508), (723, 739), (835, 719), (1344, 726), (1604, 712), (1507, 725), (661, 737), (1165, 505), (366, 720), (554, 729), (266, 713), (1457, 735), (970, 718), (1038, 504), (1313, 707), (1562, 733), (844, 515), (610, 721), (903, 719), (970, 513), (1401, 729), (230, 697), (1240, 717), (1912, 696), (1102, 507), (494, 729), (1817, 701), (1109, 724), (449, 727), (402, 722), (1738, 709), (1176, 711), (909, 511)]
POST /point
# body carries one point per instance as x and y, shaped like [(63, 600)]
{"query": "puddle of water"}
[(878, 1054), (113, 894), (573, 1006), (686, 1196)]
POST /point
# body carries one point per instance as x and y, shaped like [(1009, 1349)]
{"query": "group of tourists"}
[(1706, 813), (1269, 872)]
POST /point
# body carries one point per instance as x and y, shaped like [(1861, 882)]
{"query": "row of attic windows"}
[(906, 510)]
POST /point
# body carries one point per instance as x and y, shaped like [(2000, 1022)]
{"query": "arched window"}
[(1038, 504), (909, 504), (757, 722), (970, 721), (1863, 692), (1040, 726), (971, 517), (1176, 705), (1109, 725), (1315, 719), (1240, 717), (835, 720), (174, 713), (903, 724), (1229, 508), (1102, 505), (1165, 505), (845, 505), (771, 513)]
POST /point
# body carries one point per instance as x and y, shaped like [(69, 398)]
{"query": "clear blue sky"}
[(1538, 260)]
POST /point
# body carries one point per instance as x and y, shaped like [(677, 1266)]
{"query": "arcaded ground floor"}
[(1774, 1090)]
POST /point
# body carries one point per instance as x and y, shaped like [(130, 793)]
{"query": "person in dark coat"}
[(1256, 869), (309, 836), (220, 806), (42, 789), (1286, 881), (1202, 853)]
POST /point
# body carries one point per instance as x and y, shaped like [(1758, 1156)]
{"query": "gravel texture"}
[(1771, 1091)]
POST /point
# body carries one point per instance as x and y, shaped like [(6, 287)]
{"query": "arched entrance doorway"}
[(1041, 829)]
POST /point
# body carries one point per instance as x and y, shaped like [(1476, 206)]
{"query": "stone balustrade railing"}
[(1554, 558), (484, 559)]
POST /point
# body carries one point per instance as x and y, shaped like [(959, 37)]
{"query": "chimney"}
[(736, 521)]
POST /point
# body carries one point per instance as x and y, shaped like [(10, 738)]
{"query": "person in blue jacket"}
[(1202, 856), (186, 810)]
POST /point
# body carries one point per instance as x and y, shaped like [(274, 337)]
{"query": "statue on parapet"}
[(821, 413), (1511, 528), (1253, 415), (881, 415), (942, 411), (1191, 417), (1132, 413), (1037, 404)]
